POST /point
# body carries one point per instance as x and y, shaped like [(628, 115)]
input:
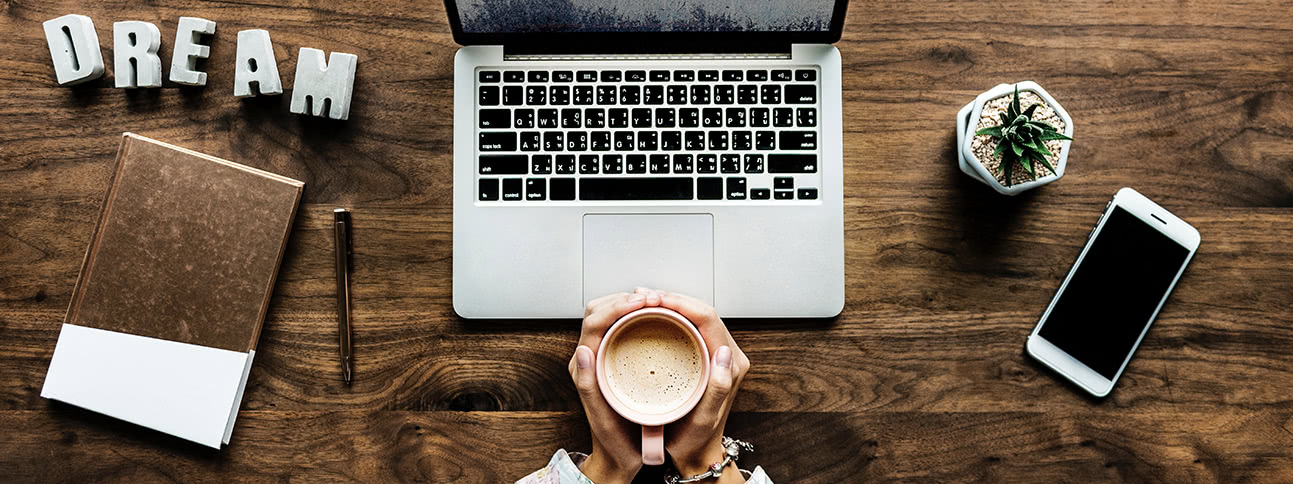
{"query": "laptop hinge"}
[(645, 52)]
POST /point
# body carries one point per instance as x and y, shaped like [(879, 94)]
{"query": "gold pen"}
[(341, 229)]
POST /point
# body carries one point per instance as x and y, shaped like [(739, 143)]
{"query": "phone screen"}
[(1114, 292)]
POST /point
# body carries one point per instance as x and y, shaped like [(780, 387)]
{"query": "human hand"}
[(616, 456), (695, 441)]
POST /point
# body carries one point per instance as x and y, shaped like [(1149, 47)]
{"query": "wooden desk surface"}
[(921, 379)]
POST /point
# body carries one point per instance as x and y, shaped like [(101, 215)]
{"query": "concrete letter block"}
[(321, 83), (184, 61), (256, 64), (138, 41), (74, 48)]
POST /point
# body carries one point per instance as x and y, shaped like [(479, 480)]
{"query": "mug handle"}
[(652, 445)]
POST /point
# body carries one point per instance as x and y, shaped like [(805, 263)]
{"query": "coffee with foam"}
[(653, 365)]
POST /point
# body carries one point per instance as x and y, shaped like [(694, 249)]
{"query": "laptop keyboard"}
[(730, 135)]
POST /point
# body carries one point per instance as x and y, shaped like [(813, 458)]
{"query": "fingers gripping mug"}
[(652, 367)]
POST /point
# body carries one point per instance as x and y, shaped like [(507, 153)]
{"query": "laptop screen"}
[(645, 16)]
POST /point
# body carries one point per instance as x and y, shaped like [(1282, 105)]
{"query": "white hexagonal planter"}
[(968, 118)]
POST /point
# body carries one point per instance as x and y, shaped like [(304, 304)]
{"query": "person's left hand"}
[(617, 443)]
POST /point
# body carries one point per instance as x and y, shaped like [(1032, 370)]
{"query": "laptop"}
[(688, 145)]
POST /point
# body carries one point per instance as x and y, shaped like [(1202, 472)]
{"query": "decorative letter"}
[(136, 41), (74, 47), (320, 84), (256, 64), (184, 62)]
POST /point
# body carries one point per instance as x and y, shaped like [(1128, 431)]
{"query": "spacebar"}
[(635, 188)]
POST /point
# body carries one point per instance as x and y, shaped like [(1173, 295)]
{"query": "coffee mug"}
[(655, 376)]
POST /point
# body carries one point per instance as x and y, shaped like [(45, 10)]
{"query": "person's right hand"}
[(696, 441)]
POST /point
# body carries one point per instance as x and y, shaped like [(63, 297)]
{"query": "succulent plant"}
[(1022, 139)]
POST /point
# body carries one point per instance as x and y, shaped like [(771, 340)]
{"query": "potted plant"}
[(1014, 137)]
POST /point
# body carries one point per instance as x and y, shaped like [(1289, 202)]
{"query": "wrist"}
[(697, 462), (601, 470)]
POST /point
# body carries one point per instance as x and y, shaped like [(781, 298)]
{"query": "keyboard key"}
[(524, 118), (706, 164), (606, 95), (783, 117), (624, 141), (659, 164), (548, 118), (676, 94), (781, 75), (664, 117), (488, 188), (559, 95), (641, 117), (733, 76), (488, 96), (808, 194), (541, 164), (725, 94), (784, 194), (563, 76), (538, 76), (619, 118), (783, 182), (760, 117), (801, 94), (689, 118), (736, 188), (671, 140), (781, 163), (770, 94), (589, 164), (594, 118), (684, 76), (514, 76), (659, 76), (635, 76), (805, 75), (730, 164), (530, 141), (647, 141), (504, 141), (735, 117), (630, 95), (513, 95), (709, 188), (536, 189), (565, 165), (553, 141), (653, 95), (495, 118), (577, 141), (754, 163), (570, 118), (709, 76), (765, 140), (591, 76), (583, 95), (489, 76), (600, 140), (636, 188), (512, 189), (760, 193), (747, 94), (561, 189), (756, 75), (741, 141), (611, 76), (695, 140), (635, 164), (713, 117), (718, 140), (682, 164), (798, 140), (807, 117), (700, 94), (612, 164)]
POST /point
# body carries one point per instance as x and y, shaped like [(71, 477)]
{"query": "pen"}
[(341, 229)]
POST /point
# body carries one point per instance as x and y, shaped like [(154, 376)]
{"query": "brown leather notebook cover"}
[(187, 247)]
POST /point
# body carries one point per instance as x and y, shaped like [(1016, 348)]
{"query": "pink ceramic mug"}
[(652, 422)]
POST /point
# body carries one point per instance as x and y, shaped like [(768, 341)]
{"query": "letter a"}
[(74, 48), (256, 65)]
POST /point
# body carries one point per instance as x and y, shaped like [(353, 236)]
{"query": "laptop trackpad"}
[(662, 251)]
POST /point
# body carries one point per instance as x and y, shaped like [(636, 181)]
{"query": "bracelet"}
[(732, 448)]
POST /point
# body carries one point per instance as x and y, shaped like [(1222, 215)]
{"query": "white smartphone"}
[(1132, 260)]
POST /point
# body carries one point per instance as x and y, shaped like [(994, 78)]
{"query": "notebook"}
[(163, 322)]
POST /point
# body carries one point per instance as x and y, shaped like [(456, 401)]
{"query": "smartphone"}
[(1132, 260)]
